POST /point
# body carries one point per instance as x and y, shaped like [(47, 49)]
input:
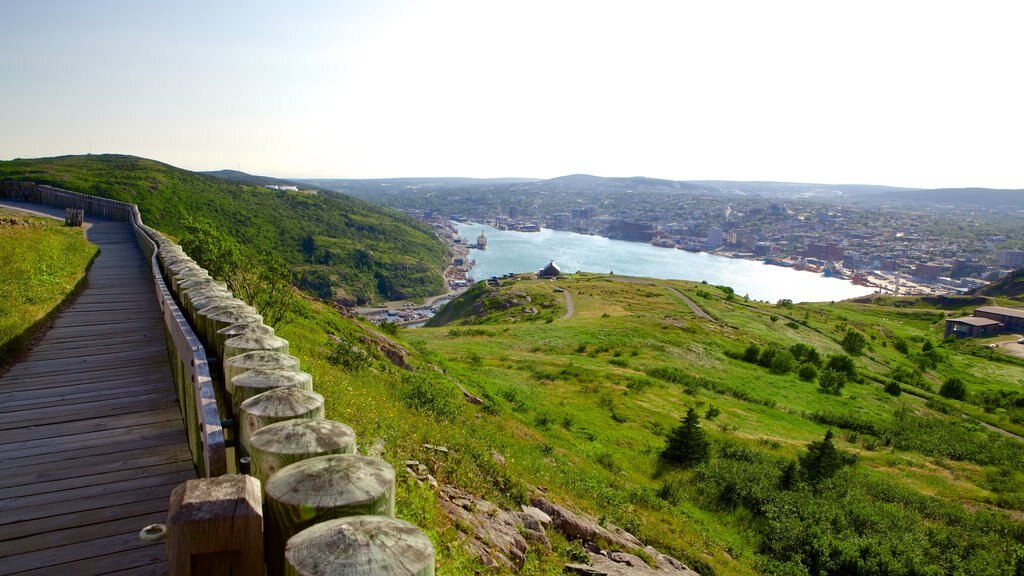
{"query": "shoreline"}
[(879, 282)]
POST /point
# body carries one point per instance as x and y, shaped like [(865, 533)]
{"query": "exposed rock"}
[(494, 536), (579, 527), (441, 449), (537, 514), (390, 349), (583, 569), (624, 564), (500, 538)]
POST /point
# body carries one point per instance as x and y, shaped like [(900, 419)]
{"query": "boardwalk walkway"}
[(91, 438)]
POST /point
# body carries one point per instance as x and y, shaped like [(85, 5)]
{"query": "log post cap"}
[(338, 481), (360, 545), (255, 341), (245, 328), (304, 436), (281, 402), (262, 359), (270, 378)]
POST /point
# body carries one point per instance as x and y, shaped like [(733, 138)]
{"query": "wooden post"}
[(275, 406), (204, 323), (215, 526), (73, 217), (197, 305), (360, 545), (323, 488), (252, 342), (249, 384), (224, 318), (192, 295), (258, 359), (277, 445)]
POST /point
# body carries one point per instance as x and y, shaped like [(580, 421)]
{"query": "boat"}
[(833, 270), (777, 262)]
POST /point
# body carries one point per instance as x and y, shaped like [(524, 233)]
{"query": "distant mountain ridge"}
[(956, 197)]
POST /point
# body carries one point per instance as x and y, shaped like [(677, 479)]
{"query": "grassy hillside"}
[(341, 245), (582, 407), (1011, 286), (41, 262)]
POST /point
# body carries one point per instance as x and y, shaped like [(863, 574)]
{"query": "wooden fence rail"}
[(215, 524)]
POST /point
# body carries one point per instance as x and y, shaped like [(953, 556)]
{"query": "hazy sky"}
[(895, 92)]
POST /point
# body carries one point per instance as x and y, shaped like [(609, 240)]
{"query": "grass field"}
[(582, 407), (41, 262)]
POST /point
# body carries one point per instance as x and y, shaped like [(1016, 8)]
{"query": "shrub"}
[(954, 388), (854, 342), (832, 381), (807, 372), (893, 388), (782, 362)]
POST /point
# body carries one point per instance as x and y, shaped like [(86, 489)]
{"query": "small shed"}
[(972, 327), (549, 271)]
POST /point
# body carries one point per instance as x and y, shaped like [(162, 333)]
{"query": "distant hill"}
[(344, 247), (1009, 286), (244, 178), (955, 197)]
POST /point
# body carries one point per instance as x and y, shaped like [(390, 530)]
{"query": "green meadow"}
[(581, 408)]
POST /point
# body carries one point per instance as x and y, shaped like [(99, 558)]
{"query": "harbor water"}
[(519, 252)]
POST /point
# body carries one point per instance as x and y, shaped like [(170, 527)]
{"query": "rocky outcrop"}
[(500, 538)]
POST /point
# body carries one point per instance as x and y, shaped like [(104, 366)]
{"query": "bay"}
[(519, 252)]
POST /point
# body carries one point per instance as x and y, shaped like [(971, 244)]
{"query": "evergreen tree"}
[(688, 445), (823, 460), (953, 388)]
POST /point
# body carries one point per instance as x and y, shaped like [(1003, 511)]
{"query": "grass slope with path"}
[(581, 407)]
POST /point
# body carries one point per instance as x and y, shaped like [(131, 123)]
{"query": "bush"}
[(807, 372), (954, 388), (893, 388), (854, 342), (832, 381), (782, 362), (843, 364)]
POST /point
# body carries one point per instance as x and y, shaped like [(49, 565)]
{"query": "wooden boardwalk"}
[(91, 438)]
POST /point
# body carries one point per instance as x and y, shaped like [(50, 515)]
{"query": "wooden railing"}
[(300, 461), (187, 356), (189, 365)]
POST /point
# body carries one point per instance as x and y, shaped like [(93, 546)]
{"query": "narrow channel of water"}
[(520, 252)]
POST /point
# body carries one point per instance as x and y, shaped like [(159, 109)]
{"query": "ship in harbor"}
[(779, 262), (833, 270)]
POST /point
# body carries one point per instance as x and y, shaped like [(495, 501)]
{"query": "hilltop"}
[(342, 247)]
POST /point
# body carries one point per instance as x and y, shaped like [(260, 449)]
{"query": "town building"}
[(972, 327), (1012, 319), (549, 271), (1010, 259)]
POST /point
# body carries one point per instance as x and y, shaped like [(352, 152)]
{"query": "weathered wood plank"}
[(92, 425), (91, 437)]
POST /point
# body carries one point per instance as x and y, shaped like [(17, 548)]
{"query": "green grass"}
[(41, 262), (572, 406), (339, 245)]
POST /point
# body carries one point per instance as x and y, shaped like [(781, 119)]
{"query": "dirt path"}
[(693, 305), (570, 308)]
